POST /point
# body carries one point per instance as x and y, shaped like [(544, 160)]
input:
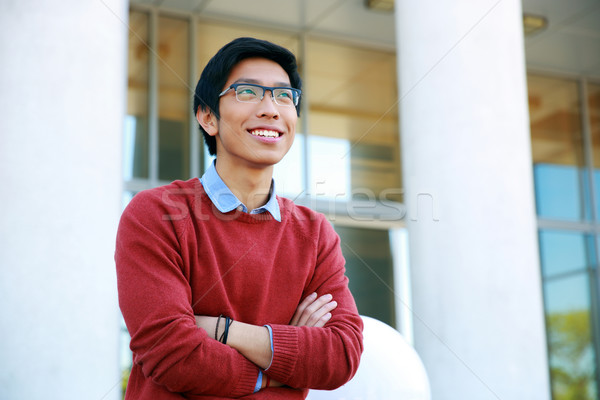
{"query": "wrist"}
[(222, 328), (252, 341), (266, 381)]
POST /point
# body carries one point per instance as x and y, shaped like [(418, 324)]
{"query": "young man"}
[(228, 290)]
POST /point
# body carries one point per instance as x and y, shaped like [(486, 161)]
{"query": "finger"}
[(320, 317), (305, 303), (313, 307)]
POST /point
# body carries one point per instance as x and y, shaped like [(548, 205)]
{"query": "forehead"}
[(259, 70)]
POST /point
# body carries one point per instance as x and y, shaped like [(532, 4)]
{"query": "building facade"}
[(454, 155)]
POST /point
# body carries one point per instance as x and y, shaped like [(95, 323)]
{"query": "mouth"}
[(266, 133)]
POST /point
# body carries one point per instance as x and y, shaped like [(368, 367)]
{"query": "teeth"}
[(265, 133)]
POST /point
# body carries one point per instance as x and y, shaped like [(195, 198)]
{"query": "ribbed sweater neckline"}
[(237, 215)]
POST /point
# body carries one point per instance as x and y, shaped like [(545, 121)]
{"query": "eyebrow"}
[(256, 82)]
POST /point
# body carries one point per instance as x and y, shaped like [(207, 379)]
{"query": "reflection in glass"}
[(369, 267), (289, 172), (173, 99), (212, 36), (329, 167), (557, 146), (570, 338), (136, 144), (126, 356), (557, 191), (353, 103), (593, 101), (563, 252), (569, 266)]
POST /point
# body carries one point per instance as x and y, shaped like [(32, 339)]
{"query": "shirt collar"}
[(225, 201)]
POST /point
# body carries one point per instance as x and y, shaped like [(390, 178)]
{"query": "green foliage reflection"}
[(572, 362)]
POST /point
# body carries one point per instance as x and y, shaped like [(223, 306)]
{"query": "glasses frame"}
[(296, 93)]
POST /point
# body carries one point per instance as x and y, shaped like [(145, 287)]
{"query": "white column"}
[(477, 300), (63, 80)]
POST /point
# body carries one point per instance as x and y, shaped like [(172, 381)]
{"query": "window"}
[(353, 121), (370, 269), (558, 156), (568, 265), (593, 113), (565, 136), (174, 94), (136, 139)]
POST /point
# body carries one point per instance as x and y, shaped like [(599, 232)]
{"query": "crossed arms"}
[(254, 341)]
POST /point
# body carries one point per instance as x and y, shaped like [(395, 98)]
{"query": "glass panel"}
[(570, 338), (211, 37), (353, 141), (135, 146), (563, 252), (289, 173), (593, 91), (370, 269), (126, 357), (557, 191), (329, 167), (593, 100), (557, 146), (173, 99)]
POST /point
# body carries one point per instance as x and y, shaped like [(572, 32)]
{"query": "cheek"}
[(292, 120), (290, 141)]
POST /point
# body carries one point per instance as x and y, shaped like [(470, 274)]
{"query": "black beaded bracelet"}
[(217, 328), (228, 322)]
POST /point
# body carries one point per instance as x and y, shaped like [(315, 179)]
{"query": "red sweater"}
[(177, 256)]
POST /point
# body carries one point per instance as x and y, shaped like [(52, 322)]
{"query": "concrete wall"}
[(62, 99), (477, 299)]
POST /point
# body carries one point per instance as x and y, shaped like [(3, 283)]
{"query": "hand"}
[(313, 311)]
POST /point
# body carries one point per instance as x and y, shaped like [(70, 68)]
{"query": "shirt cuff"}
[(258, 381), (272, 351)]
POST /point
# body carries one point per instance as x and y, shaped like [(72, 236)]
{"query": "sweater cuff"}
[(285, 351), (271, 341), (247, 381)]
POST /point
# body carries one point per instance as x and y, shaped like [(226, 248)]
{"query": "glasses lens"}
[(247, 93), (284, 97)]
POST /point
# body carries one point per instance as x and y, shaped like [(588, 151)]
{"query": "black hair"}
[(215, 74)]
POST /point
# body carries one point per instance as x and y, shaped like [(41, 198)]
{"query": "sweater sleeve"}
[(327, 357), (155, 299)]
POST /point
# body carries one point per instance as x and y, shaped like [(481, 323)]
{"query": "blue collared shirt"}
[(225, 201)]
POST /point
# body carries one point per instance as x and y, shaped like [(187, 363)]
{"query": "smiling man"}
[(227, 289)]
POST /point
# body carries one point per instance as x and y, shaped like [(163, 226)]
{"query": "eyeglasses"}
[(251, 93)]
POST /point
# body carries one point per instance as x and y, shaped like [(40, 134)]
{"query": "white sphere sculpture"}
[(389, 369)]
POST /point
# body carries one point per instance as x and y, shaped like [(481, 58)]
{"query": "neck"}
[(251, 185)]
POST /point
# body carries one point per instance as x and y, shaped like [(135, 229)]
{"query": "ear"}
[(207, 121)]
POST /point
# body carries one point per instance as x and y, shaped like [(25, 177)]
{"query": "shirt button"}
[(240, 208)]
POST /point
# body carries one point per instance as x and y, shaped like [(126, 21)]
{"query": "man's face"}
[(258, 134)]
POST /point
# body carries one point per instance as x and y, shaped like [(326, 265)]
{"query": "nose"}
[(269, 107)]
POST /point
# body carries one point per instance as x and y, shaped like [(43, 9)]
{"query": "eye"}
[(284, 93), (284, 96), (246, 91)]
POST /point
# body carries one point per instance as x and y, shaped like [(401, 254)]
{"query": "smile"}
[(265, 133)]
